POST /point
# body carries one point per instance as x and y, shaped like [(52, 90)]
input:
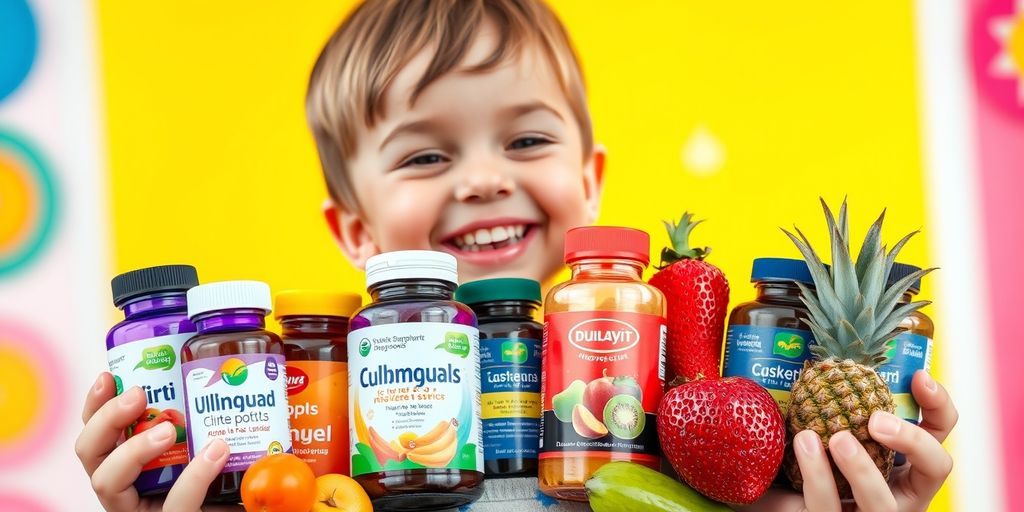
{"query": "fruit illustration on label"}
[(435, 449), (724, 437), (854, 313), (697, 294), (586, 424), (569, 398), (624, 417), (152, 417), (602, 389)]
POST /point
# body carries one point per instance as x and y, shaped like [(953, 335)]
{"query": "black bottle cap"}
[(150, 280), (901, 270)]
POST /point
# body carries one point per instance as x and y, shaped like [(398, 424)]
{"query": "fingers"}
[(100, 393), (101, 432), (190, 489), (114, 477), (820, 494), (938, 415), (930, 464), (869, 487)]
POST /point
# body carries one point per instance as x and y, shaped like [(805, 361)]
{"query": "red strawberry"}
[(724, 437), (698, 298)]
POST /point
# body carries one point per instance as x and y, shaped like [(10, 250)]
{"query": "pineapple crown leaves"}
[(853, 313), (679, 236)]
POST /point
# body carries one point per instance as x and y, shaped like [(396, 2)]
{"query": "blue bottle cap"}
[(781, 269)]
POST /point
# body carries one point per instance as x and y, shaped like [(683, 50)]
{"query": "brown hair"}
[(380, 37)]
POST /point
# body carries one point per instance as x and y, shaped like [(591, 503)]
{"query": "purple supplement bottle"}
[(234, 379), (414, 386), (142, 350)]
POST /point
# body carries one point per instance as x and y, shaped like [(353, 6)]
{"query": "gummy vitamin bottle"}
[(142, 350), (509, 371), (234, 376), (314, 329), (414, 386), (603, 361)]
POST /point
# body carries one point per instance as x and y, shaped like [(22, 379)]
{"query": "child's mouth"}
[(496, 244)]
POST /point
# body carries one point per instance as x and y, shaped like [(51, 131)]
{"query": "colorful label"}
[(414, 397), (770, 356), (241, 399), (601, 384), (318, 410), (152, 364), (510, 399), (907, 354)]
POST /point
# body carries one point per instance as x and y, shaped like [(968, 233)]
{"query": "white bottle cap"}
[(391, 266), (228, 295)]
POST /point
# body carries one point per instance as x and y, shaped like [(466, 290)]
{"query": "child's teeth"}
[(499, 234), (483, 236), (467, 239), (520, 230)]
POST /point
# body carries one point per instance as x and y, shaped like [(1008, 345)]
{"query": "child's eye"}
[(528, 142), (424, 159)]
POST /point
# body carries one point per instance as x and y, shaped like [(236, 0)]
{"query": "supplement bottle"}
[(142, 350), (766, 340), (908, 352), (414, 386), (510, 344), (603, 361), (234, 376), (314, 329)]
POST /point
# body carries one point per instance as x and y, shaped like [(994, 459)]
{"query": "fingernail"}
[(843, 444), (129, 398), (930, 383), (885, 424), (161, 432), (215, 450), (809, 443), (99, 384)]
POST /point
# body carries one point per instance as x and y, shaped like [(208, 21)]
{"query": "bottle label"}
[(241, 399), (510, 400), (601, 384), (770, 356), (414, 397), (318, 410), (907, 354), (152, 364)]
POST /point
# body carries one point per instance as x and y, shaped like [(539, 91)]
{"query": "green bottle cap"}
[(498, 289)]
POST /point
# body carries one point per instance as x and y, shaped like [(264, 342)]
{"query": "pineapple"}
[(853, 316)]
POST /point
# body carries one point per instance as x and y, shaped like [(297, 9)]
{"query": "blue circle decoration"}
[(32, 161), (18, 44)]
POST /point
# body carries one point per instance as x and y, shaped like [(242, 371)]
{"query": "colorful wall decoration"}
[(140, 133)]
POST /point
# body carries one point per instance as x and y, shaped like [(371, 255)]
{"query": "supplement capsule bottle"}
[(510, 344), (414, 386), (234, 376), (767, 340), (314, 329), (142, 350), (908, 352), (603, 361)]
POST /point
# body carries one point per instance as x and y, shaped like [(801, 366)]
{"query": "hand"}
[(113, 468), (911, 487)]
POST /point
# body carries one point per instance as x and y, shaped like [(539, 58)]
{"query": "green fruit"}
[(624, 417), (628, 487), (567, 399)]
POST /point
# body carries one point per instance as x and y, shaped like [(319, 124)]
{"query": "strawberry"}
[(724, 437), (698, 297)]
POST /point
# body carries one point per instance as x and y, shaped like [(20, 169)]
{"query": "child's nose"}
[(483, 184)]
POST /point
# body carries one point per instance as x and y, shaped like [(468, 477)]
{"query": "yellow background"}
[(211, 162)]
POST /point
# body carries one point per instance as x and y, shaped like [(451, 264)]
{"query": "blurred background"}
[(143, 133)]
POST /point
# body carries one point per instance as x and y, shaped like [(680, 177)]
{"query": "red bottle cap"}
[(607, 242)]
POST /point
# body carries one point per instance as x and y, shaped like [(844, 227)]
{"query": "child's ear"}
[(350, 233), (593, 181)]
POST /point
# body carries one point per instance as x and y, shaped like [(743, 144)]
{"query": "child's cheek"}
[(406, 217)]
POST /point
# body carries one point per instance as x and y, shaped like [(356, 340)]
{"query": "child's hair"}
[(380, 37)]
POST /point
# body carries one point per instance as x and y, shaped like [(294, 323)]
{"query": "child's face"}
[(487, 166)]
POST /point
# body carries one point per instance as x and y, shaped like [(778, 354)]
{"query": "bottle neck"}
[(607, 268), (162, 303), (313, 324), (412, 289), (778, 291), (907, 298), (506, 309), (230, 320)]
